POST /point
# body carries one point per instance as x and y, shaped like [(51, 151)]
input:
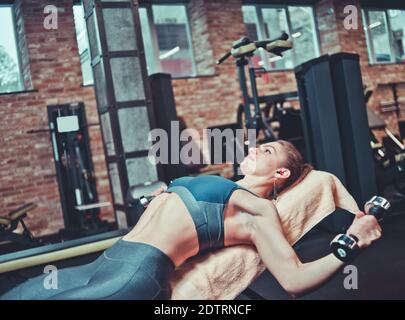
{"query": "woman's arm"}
[(280, 258)]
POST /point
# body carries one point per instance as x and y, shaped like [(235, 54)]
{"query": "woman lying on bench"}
[(198, 214)]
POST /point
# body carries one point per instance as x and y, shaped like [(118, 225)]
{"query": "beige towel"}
[(225, 273)]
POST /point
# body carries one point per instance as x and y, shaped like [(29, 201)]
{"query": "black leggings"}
[(127, 270)]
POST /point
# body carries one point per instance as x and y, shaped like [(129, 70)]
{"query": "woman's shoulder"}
[(180, 181), (211, 181), (220, 181)]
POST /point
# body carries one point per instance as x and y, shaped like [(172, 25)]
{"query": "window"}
[(10, 73), (167, 40), (83, 44), (385, 34), (263, 22)]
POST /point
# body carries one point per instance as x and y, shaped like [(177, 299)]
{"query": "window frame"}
[(155, 46), (370, 46), (261, 31), (17, 48), (157, 66), (78, 3)]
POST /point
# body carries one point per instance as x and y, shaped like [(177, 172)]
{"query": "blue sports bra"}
[(205, 198)]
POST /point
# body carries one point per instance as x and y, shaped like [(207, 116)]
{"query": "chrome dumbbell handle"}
[(145, 200), (344, 247), (377, 206)]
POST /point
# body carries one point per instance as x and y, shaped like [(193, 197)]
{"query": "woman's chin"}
[(248, 167)]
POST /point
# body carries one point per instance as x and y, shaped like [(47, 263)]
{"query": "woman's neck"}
[(262, 186)]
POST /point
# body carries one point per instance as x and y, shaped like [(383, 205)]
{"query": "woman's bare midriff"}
[(167, 225)]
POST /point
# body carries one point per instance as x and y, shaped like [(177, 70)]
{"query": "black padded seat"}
[(381, 268)]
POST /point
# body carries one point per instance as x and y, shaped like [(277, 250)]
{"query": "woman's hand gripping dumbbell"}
[(145, 200), (363, 231)]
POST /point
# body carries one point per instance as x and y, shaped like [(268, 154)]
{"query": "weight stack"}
[(335, 121), (318, 115), (165, 112), (354, 129)]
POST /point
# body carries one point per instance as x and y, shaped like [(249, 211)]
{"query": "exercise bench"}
[(10, 222)]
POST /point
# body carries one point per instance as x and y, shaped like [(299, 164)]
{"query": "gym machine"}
[(10, 222), (389, 157), (74, 169), (334, 118), (243, 51)]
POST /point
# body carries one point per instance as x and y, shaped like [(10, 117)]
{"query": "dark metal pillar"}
[(123, 95)]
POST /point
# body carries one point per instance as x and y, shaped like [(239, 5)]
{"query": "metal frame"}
[(113, 106), (104, 58), (52, 252), (378, 4), (293, 2), (7, 2), (142, 2)]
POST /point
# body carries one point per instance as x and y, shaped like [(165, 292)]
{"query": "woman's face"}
[(263, 160)]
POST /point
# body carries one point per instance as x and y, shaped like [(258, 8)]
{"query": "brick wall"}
[(52, 68)]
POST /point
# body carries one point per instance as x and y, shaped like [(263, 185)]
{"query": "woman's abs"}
[(167, 225)]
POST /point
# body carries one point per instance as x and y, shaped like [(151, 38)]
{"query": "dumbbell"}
[(135, 207), (145, 200), (137, 199), (344, 246)]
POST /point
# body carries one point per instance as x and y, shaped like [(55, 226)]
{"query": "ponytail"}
[(295, 163)]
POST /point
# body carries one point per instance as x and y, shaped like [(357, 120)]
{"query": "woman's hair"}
[(295, 163)]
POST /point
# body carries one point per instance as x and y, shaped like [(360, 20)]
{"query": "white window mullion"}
[(369, 40), (156, 65), (19, 64), (289, 27), (390, 35), (190, 43), (315, 34), (261, 35)]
